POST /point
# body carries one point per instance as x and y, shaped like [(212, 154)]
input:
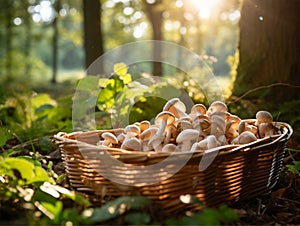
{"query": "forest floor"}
[(280, 207)]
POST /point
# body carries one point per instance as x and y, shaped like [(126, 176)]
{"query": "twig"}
[(262, 87)]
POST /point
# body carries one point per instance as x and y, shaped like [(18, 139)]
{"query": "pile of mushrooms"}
[(203, 128)]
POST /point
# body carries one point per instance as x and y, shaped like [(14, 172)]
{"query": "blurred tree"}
[(8, 6), (269, 51), (55, 38), (154, 10), (28, 38), (93, 37)]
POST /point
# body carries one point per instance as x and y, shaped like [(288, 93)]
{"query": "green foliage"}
[(208, 216), (115, 208), (30, 116), (25, 181), (295, 167), (5, 135)]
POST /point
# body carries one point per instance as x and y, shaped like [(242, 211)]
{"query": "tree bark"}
[(155, 15), (269, 50), (93, 38), (55, 42), (8, 40), (28, 40)]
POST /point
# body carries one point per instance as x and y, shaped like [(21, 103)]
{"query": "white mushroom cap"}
[(263, 117), (109, 138), (133, 130), (212, 142), (187, 138), (217, 106), (121, 137), (176, 107), (199, 146), (197, 109), (183, 124), (148, 133), (132, 143), (244, 138), (170, 148), (144, 125), (266, 130)]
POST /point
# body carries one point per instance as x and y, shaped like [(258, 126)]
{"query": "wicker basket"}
[(232, 173)]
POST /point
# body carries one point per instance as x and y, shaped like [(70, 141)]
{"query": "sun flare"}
[(204, 7)]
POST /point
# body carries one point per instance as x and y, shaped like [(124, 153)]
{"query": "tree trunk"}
[(93, 38), (156, 19), (28, 38), (55, 42), (8, 40), (269, 50)]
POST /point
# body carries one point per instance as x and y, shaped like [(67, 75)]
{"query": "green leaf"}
[(28, 171), (52, 210), (294, 168), (89, 84), (227, 214), (5, 135), (40, 100), (137, 218), (115, 208), (120, 69), (24, 167), (126, 78)]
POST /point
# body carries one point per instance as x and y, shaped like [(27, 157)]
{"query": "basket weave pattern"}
[(237, 172)]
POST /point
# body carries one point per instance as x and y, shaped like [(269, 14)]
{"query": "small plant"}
[(295, 167), (208, 216)]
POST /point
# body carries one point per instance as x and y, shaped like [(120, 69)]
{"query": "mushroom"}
[(156, 143), (202, 124), (212, 142), (186, 139), (263, 117), (170, 130), (145, 136), (197, 109), (176, 107), (170, 148), (132, 143), (218, 126), (205, 144), (230, 131), (148, 133), (266, 130), (163, 119), (244, 138), (234, 120), (245, 126), (121, 137), (132, 131), (144, 125), (264, 124), (109, 139), (216, 106), (183, 123)]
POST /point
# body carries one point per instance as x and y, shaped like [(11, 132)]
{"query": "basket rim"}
[(62, 139)]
